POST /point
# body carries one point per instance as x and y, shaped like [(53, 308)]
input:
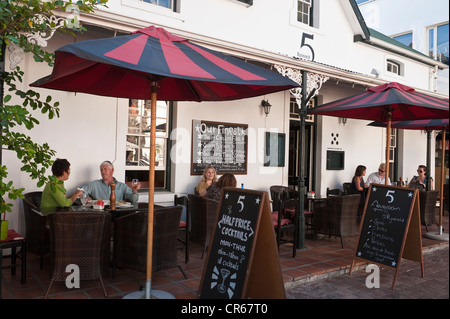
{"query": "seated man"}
[(378, 177), (100, 189)]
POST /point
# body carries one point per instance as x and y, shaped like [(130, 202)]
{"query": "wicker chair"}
[(82, 239), (203, 213), (348, 190), (130, 240), (279, 193), (427, 201), (337, 216), (285, 221), (334, 192), (183, 230), (36, 226)]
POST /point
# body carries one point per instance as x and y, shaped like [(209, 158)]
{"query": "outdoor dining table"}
[(119, 211)]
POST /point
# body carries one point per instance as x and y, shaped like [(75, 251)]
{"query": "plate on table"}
[(124, 205), (92, 202)]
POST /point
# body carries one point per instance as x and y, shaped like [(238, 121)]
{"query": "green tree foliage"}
[(18, 18)]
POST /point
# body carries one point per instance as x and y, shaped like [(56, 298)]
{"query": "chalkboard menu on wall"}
[(231, 248), (222, 145), (386, 221)]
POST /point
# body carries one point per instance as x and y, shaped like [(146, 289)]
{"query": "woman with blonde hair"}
[(209, 177)]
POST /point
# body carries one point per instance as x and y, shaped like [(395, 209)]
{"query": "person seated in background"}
[(209, 177), (100, 189), (226, 180), (54, 193), (421, 180), (378, 177), (359, 185)]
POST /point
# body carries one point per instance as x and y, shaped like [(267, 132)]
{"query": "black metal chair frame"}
[(36, 226), (183, 201), (284, 212)]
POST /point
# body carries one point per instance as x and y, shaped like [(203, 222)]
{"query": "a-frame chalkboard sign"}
[(242, 260), (390, 228)]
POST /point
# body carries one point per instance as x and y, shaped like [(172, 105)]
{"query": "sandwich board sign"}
[(390, 228), (242, 260)]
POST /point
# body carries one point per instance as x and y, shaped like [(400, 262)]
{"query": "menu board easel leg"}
[(265, 282)]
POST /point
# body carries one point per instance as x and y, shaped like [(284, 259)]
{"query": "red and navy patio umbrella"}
[(426, 125), (125, 66), (388, 102), (152, 63)]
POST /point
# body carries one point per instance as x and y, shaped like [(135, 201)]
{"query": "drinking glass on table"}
[(84, 199), (134, 183)]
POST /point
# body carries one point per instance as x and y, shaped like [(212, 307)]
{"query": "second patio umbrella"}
[(428, 125), (388, 102), (154, 64)]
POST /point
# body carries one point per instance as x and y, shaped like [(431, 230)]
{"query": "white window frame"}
[(305, 12), (433, 52), (158, 3), (403, 34), (393, 67), (138, 136)]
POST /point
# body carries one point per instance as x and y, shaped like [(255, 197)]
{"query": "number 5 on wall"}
[(303, 44)]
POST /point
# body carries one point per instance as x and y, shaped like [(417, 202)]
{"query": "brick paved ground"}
[(409, 283)]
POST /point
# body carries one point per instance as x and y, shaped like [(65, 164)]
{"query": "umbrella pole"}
[(151, 192), (388, 146), (440, 235)]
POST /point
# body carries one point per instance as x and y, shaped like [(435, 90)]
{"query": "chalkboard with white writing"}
[(385, 224), (221, 145), (231, 250)]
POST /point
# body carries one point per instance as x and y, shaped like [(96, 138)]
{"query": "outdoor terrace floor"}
[(322, 258)]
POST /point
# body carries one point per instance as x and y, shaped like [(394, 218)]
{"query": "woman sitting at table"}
[(226, 180), (420, 181), (359, 185), (54, 193), (209, 177)]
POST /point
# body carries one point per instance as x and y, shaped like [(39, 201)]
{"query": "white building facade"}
[(328, 39)]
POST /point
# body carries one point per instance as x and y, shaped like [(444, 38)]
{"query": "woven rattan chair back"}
[(81, 239), (337, 216), (130, 240), (427, 201), (203, 213), (279, 193)]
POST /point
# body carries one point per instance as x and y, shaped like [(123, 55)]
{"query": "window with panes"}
[(406, 39), (438, 43), (393, 67), (304, 11), (138, 142), (171, 4)]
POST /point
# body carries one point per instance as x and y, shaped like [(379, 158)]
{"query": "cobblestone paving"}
[(409, 283)]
